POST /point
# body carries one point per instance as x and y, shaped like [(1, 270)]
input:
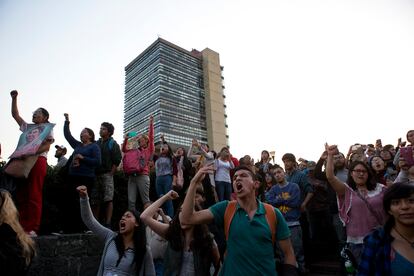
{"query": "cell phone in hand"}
[(378, 143), (132, 134), (407, 154)]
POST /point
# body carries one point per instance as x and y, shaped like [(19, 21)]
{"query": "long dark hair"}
[(202, 240), (371, 184), (170, 153), (185, 159), (140, 242), (396, 191)]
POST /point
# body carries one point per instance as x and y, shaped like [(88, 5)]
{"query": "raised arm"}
[(318, 173), (87, 216), (151, 145), (14, 110), (68, 135), (124, 144), (194, 143), (336, 184), (148, 215), (189, 215)]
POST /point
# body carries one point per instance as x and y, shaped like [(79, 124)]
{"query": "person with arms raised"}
[(85, 159), (249, 235), (30, 194), (124, 253), (359, 201)]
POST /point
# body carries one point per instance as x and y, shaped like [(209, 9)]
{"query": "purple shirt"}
[(356, 216)]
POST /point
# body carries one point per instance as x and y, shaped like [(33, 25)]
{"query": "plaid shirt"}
[(376, 257)]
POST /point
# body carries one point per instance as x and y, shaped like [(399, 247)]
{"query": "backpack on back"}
[(133, 161), (269, 213)]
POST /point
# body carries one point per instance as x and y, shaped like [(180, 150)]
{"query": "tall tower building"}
[(183, 90)]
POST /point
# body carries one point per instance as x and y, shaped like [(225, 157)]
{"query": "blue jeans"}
[(223, 190), (159, 267), (163, 184), (356, 250)]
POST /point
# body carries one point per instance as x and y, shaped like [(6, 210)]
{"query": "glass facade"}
[(167, 82)]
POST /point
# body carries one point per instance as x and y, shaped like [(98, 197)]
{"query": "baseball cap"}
[(61, 147)]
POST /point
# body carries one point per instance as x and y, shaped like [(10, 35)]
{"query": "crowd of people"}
[(197, 211)]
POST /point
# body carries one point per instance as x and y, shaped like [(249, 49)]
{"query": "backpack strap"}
[(271, 220), (228, 216), (110, 143)]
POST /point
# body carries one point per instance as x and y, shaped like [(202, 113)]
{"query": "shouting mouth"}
[(122, 226), (239, 187)]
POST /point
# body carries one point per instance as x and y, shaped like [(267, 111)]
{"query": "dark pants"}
[(223, 190), (73, 222), (163, 184)]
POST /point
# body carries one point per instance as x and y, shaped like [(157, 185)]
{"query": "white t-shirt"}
[(223, 170)]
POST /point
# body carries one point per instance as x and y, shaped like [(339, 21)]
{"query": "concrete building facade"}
[(183, 90)]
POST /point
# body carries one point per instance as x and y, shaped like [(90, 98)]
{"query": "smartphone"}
[(378, 142), (407, 154)]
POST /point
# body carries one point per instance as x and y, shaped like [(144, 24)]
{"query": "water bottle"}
[(349, 267), (346, 255)]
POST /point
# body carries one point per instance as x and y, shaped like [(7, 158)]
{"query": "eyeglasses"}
[(360, 171)]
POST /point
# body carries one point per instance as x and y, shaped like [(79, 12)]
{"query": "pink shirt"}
[(145, 152), (356, 216)]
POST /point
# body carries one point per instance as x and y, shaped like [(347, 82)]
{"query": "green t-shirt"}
[(249, 246)]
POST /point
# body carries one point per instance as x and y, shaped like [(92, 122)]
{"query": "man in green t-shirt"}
[(249, 244)]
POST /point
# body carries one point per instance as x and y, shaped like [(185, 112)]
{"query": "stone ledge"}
[(66, 254)]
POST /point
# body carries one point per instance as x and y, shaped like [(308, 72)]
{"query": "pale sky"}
[(297, 73)]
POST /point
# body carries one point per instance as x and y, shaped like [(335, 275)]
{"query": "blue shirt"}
[(91, 155), (376, 257), (301, 179), (287, 199)]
